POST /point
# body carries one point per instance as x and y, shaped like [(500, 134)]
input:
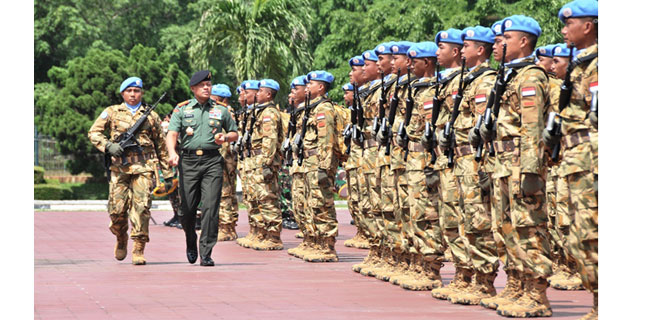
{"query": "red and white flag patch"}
[(266, 119), (428, 105), (320, 116), (480, 98), (528, 92), (593, 87), (453, 94)]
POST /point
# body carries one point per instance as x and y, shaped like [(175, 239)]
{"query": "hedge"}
[(39, 175), (52, 192)]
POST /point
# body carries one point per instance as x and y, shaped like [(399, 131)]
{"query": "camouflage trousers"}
[(265, 200), (424, 230), (451, 218), (129, 199), (370, 197), (228, 209), (299, 193), (175, 201), (255, 218), (403, 209), (559, 220), (582, 242), (391, 218), (352, 177), (320, 212), (284, 180), (523, 225), (478, 223)]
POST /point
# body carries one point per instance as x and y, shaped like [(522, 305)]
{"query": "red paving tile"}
[(76, 277)]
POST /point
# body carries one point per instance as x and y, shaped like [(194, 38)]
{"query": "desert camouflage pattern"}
[(228, 208), (130, 200)]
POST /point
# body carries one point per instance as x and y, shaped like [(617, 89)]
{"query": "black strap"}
[(474, 75), (389, 83), (370, 91), (587, 58), (443, 82)]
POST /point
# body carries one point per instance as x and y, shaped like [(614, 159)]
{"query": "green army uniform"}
[(451, 218), (228, 209), (201, 168), (131, 184), (579, 168), (266, 138), (475, 202), (319, 161), (424, 232)]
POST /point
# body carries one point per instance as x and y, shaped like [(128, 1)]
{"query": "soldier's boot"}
[(137, 256), (512, 291), (120, 246), (246, 240), (379, 262), (462, 279), (388, 262), (421, 281), (363, 242), (372, 254), (314, 249), (273, 241), (409, 274), (326, 253), (300, 235), (533, 303), (482, 288), (352, 242), (232, 232), (224, 233), (397, 269), (473, 285), (593, 314), (572, 282), (298, 251), (562, 272), (256, 241), (448, 256)]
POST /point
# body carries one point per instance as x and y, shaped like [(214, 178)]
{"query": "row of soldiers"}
[(498, 166)]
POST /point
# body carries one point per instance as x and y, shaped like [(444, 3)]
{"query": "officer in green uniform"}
[(200, 123)]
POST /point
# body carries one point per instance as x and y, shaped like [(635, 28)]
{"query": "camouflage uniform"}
[(352, 176), (131, 185), (579, 168), (228, 212), (298, 190)]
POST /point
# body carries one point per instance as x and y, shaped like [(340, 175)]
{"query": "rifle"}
[(407, 118), (429, 127), (454, 115), (249, 132), (240, 140), (291, 130), (479, 149), (354, 117), (387, 124), (494, 100), (298, 140), (382, 107), (565, 97), (360, 120), (127, 140)]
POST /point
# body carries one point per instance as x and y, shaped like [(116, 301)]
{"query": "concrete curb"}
[(102, 205)]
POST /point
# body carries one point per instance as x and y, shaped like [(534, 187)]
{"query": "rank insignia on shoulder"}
[(183, 103)]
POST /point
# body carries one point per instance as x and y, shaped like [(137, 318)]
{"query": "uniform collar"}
[(530, 58)]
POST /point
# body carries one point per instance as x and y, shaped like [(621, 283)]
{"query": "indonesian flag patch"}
[(320, 116), (528, 92), (593, 87), (266, 119), (453, 94), (428, 105), (480, 98)]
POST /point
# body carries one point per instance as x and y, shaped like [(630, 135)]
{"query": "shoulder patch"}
[(480, 98), (528, 92), (104, 115), (182, 103)]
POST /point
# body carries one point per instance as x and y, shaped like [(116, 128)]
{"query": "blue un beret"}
[(347, 87), (478, 33), (320, 75), (561, 50), (299, 81), (252, 85), (521, 23), (496, 28), (545, 51), (578, 8), (450, 35), (401, 47), (221, 90), (199, 77), (384, 48), (131, 82), (270, 83), (425, 49), (370, 55), (356, 61)]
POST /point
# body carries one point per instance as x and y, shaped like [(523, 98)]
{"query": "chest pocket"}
[(311, 134), (191, 119)]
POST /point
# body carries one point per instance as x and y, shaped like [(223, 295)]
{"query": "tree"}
[(66, 108), (261, 38)]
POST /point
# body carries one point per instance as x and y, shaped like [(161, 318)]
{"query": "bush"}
[(52, 192), (39, 175), (89, 190)]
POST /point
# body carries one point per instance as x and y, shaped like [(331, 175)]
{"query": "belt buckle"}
[(199, 152)]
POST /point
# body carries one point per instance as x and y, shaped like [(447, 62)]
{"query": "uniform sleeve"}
[(533, 94), (96, 131), (175, 121), (325, 128), (158, 139), (228, 122), (271, 125)]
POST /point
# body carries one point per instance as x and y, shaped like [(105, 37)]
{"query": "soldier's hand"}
[(219, 138), (531, 184), (593, 118), (173, 159), (323, 178), (486, 134), (549, 139), (114, 149), (444, 142), (484, 181), (169, 184), (427, 143), (294, 148), (267, 173), (402, 142), (474, 138), (380, 137)]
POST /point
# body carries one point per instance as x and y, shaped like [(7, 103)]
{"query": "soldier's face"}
[(545, 62), (559, 66), (348, 96), (400, 62), (420, 67), (132, 95), (202, 90), (264, 95), (575, 30), (370, 70), (385, 63), (356, 75), (516, 42), (250, 96), (242, 99), (470, 51), (497, 48), (298, 94), (446, 54)]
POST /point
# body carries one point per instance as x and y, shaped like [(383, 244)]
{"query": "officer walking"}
[(131, 183), (200, 122)]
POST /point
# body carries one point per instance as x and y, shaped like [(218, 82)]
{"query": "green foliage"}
[(67, 107), (71, 191), (39, 175), (52, 192)]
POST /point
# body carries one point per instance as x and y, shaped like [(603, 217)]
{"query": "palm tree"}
[(262, 38)]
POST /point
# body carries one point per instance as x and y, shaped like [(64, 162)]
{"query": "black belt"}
[(200, 152)]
